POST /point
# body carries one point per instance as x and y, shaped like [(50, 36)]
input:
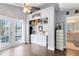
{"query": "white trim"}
[(49, 48), (8, 17)]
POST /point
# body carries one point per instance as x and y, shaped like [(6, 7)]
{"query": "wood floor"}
[(36, 50)]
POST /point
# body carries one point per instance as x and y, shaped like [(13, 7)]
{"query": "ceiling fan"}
[(29, 9)]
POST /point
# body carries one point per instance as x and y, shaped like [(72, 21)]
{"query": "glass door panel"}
[(19, 35), (4, 34), (11, 33)]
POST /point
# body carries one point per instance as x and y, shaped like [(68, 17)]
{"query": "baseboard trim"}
[(11, 47), (26, 43), (49, 48)]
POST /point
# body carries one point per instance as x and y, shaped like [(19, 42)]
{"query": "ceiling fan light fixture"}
[(29, 11), (27, 8)]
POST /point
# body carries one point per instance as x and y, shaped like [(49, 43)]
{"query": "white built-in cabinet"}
[(45, 13), (39, 39)]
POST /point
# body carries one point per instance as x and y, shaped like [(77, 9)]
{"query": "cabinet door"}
[(43, 40)]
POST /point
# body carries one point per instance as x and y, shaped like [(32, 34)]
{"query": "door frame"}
[(12, 29)]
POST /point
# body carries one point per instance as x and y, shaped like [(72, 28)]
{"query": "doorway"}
[(73, 33), (5, 33), (38, 31), (10, 32)]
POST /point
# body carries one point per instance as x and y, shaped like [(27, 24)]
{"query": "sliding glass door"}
[(10, 33), (19, 30), (5, 33)]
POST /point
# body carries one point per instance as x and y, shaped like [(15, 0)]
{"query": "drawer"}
[(61, 41), (59, 38), (59, 45)]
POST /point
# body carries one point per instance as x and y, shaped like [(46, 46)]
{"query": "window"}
[(4, 31), (18, 30)]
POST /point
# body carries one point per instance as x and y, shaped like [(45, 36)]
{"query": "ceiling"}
[(35, 6), (61, 6), (68, 6), (21, 4)]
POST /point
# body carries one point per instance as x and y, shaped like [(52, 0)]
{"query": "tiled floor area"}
[(36, 50)]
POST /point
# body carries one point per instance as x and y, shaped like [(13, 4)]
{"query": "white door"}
[(19, 32), (10, 32), (5, 33)]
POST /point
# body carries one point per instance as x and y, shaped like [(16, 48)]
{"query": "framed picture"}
[(40, 28)]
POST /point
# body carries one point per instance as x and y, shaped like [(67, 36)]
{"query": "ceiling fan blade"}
[(37, 8), (34, 9)]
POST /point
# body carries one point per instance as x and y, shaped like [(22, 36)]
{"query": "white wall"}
[(47, 12), (11, 11), (27, 28), (61, 17)]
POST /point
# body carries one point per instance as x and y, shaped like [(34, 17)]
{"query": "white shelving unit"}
[(59, 40), (60, 37)]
